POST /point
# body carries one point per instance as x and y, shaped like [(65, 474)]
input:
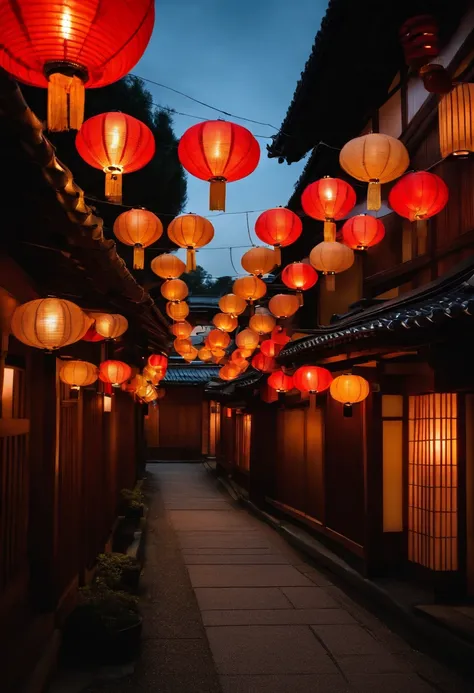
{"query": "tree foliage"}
[(200, 282)]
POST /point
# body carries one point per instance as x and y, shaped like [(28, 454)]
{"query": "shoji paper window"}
[(432, 482), (392, 427)]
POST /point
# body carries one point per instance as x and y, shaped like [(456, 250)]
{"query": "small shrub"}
[(116, 610), (132, 498), (117, 570)]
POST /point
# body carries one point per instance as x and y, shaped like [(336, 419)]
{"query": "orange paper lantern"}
[(217, 339), (110, 325), (174, 290), (182, 329), (312, 379), (232, 305), (177, 311), (114, 372), (219, 152), (330, 259), (49, 323), (139, 228), (362, 232), (258, 261), (328, 199), (153, 375), (92, 335), (262, 323), (349, 389), (205, 354), (225, 322), (67, 46), (280, 382), (280, 335), (247, 339), (374, 158), (239, 357), (218, 356), (229, 372), (263, 363), (182, 346), (249, 288), (168, 266), (191, 355), (278, 227), (191, 231), (299, 276), (78, 374), (283, 305)]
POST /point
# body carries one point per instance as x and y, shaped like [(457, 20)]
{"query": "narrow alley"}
[(230, 607)]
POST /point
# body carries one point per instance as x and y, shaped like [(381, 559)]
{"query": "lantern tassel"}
[(329, 231), (347, 410), (277, 251), (66, 97), (331, 282), (113, 187), (300, 297), (217, 195), (374, 196), (312, 401), (138, 257), (190, 260), (421, 226)]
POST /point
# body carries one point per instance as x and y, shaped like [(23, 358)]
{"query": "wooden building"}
[(392, 488), (64, 456)]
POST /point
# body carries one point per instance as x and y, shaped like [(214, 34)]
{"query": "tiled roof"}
[(248, 379), (190, 375)]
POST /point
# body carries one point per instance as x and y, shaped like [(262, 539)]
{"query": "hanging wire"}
[(232, 262), (248, 229)]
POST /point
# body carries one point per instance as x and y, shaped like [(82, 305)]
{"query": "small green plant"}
[(132, 498), (117, 570), (116, 610)]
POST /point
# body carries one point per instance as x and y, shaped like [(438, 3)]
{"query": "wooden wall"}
[(179, 421)]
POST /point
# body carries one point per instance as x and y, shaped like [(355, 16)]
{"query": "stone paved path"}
[(261, 620)]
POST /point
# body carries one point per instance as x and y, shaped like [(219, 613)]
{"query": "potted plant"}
[(105, 626), (118, 571), (132, 503)]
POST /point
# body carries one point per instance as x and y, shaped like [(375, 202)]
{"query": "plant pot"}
[(134, 513), (121, 645)]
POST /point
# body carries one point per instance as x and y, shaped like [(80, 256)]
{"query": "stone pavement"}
[(231, 607)]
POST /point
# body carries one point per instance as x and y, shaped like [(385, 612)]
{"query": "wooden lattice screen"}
[(432, 482)]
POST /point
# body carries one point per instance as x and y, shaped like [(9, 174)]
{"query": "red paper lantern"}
[(67, 46), (280, 336), (362, 232), (114, 372), (419, 39), (115, 143), (219, 152), (278, 227), (418, 196), (280, 382), (328, 199), (158, 361), (299, 276), (92, 335), (270, 348), (312, 379), (264, 363)]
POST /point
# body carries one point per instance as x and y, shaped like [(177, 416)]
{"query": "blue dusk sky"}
[(245, 57)]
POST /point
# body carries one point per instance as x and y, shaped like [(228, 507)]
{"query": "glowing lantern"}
[(278, 227), (219, 152), (375, 159), (181, 329), (134, 384), (232, 305), (247, 339), (191, 355), (218, 355), (362, 232), (182, 346), (280, 336), (115, 143), (49, 323), (249, 288), (330, 259), (258, 261), (110, 325), (167, 266), (114, 372), (349, 389), (270, 348), (67, 46), (419, 39), (280, 382), (78, 374), (299, 276), (456, 115), (239, 357), (191, 231), (205, 354), (243, 366), (92, 335), (312, 379), (263, 363), (150, 396), (418, 196), (262, 323), (139, 228), (152, 376), (158, 361), (174, 290), (328, 199), (229, 372), (217, 339), (177, 311), (225, 322), (284, 305)]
